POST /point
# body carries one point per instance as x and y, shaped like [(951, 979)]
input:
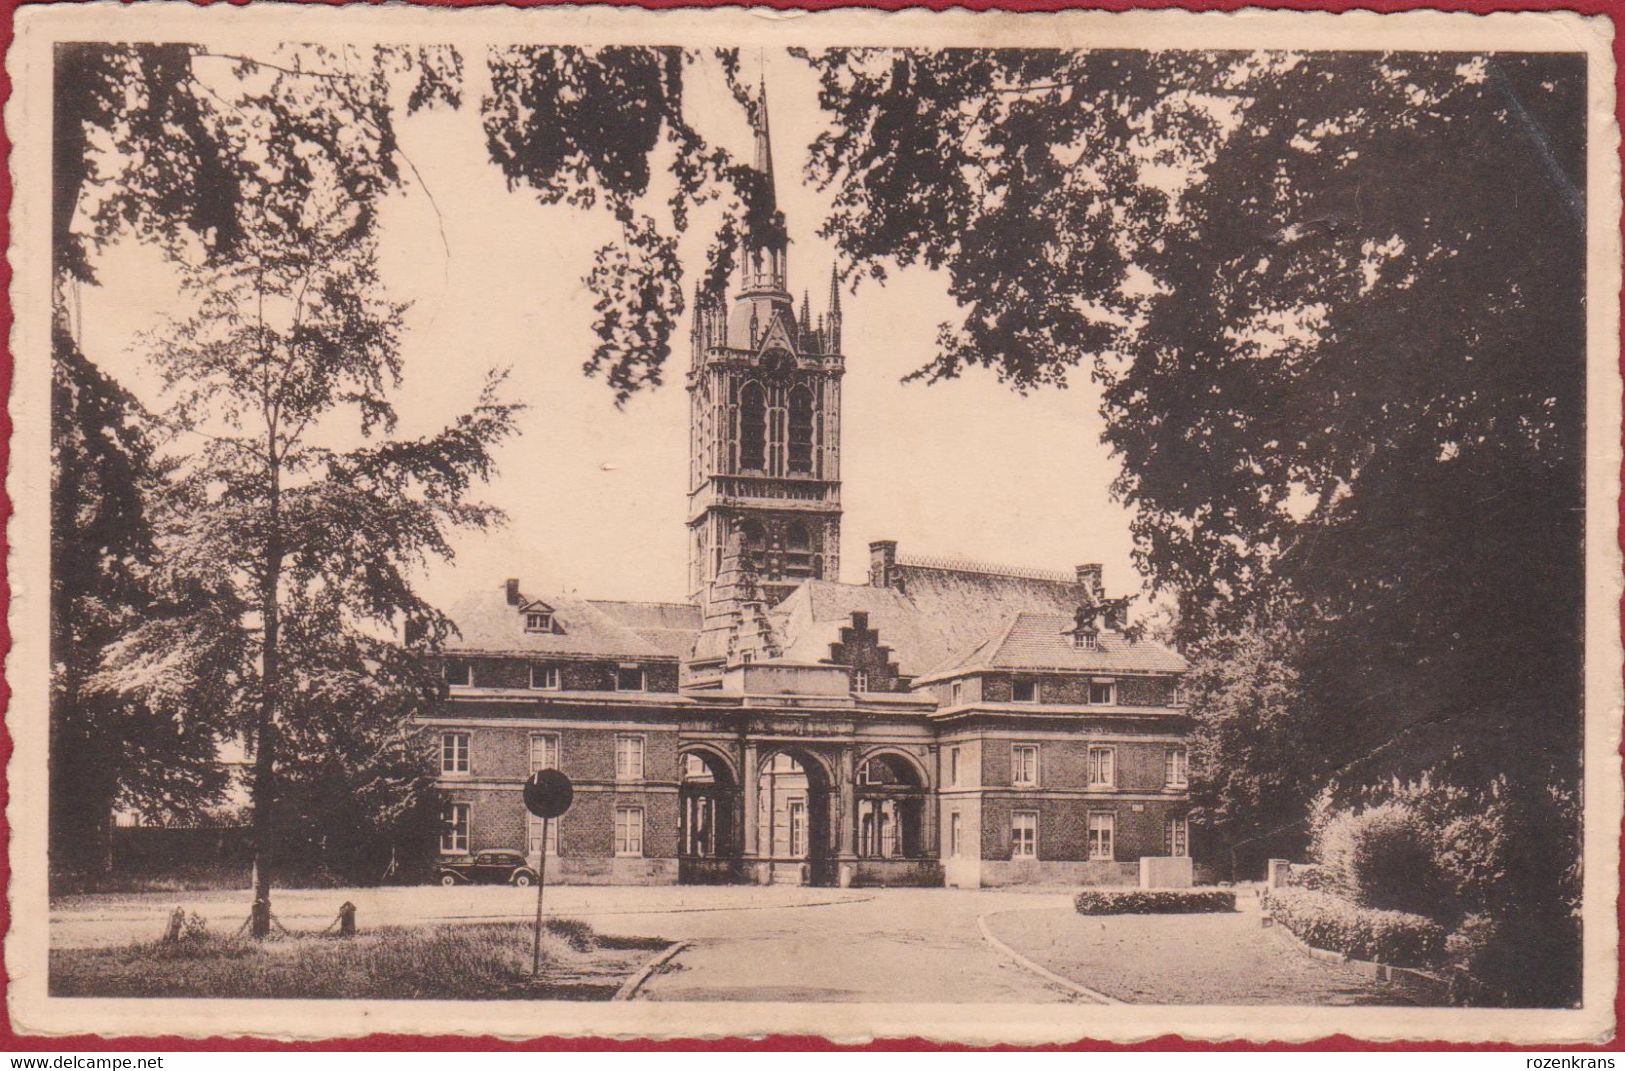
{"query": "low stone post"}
[(177, 920), (346, 919)]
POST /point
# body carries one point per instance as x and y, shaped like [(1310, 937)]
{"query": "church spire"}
[(766, 267)]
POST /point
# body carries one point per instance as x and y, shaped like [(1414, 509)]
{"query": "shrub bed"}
[(1332, 923), (1153, 901)]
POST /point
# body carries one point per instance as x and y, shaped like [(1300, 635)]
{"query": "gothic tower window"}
[(801, 431), (752, 427)]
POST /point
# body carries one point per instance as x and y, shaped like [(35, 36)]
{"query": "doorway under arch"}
[(708, 806), (892, 799), (795, 801)]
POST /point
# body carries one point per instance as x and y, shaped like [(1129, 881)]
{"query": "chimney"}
[(1091, 578), (1116, 612), (513, 592), (883, 563)]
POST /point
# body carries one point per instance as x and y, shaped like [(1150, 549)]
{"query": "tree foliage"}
[(105, 751), (286, 347), (586, 127), (1334, 301)]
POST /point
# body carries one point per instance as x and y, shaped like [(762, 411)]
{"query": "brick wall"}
[(1073, 688), (1063, 827), (1141, 767), (586, 831), (585, 754), (574, 675)]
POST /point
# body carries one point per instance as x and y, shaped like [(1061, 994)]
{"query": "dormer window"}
[(1086, 640), (538, 621)]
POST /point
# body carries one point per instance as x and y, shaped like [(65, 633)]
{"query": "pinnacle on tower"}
[(834, 319), (806, 312)]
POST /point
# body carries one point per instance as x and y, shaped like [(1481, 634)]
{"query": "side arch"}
[(717, 757), (892, 751)]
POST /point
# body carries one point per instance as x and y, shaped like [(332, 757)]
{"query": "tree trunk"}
[(265, 728)]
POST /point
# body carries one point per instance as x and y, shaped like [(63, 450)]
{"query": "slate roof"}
[(582, 627), (949, 617), (953, 615), (1044, 642)]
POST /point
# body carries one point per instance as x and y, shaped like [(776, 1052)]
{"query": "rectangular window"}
[(629, 758), (629, 831), (453, 753), (1024, 835), (798, 828), (1102, 693), (1102, 767), (1102, 830), (629, 679), (956, 693), (1178, 698), (454, 837), (860, 681), (544, 677), (1089, 641), (544, 751), (459, 672), (1024, 692), (955, 833), (953, 766), (533, 836), (1024, 765), (1176, 767), (538, 621), (1177, 841)]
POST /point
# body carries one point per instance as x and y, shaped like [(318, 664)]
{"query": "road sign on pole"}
[(547, 795)]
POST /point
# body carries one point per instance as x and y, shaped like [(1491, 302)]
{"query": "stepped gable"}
[(488, 622)]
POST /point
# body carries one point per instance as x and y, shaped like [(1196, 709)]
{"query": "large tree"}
[(309, 527), (1335, 301)]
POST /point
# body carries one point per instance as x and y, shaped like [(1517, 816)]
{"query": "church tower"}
[(764, 390)]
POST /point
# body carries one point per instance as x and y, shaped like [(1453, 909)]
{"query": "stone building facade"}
[(944, 722)]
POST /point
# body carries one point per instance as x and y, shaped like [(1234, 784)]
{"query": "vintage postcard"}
[(984, 527)]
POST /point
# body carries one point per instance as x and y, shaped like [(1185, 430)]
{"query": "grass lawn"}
[(1220, 958), (484, 961)]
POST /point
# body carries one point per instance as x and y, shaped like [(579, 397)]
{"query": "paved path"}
[(784, 943), (902, 945), (770, 944)]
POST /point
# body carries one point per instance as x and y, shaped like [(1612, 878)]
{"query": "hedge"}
[(1153, 901), (1337, 925)]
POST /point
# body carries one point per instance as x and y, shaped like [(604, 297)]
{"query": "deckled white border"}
[(28, 483)]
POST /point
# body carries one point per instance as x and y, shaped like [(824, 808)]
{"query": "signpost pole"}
[(541, 883), (547, 795)]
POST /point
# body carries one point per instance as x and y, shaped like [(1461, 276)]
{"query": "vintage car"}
[(499, 867)]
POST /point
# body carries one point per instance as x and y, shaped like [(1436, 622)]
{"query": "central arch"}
[(795, 808)]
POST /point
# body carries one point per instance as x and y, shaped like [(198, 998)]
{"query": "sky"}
[(596, 496)]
